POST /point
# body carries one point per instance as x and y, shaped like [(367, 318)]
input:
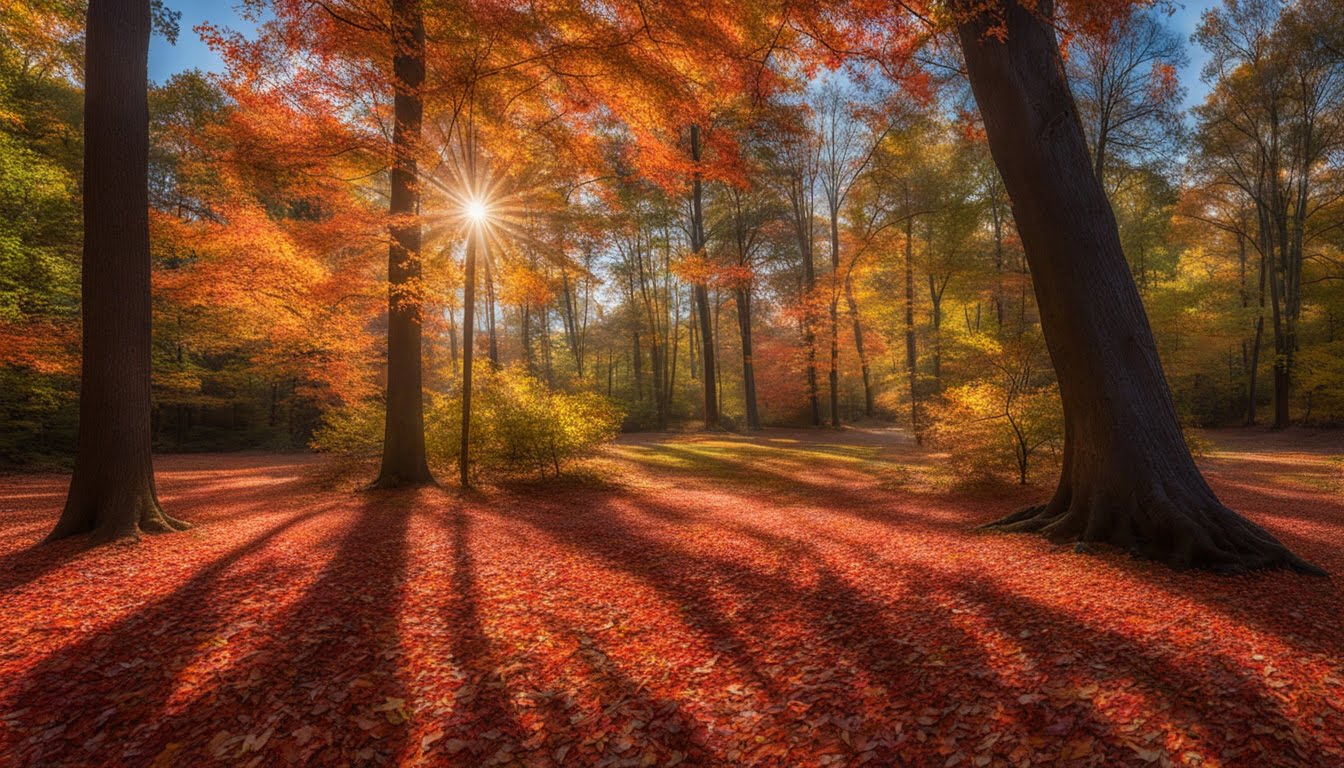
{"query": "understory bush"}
[(1006, 423), (518, 425)]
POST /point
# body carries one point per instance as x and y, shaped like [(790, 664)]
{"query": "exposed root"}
[(1198, 533), (108, 520)]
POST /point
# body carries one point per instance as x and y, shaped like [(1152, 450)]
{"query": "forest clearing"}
[(668, 383), (792, 598)]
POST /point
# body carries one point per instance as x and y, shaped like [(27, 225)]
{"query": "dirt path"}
[(787, 599)]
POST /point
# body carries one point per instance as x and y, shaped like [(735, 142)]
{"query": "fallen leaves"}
[(667, 621)]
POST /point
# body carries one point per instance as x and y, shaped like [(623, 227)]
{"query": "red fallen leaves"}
[(714, 605)]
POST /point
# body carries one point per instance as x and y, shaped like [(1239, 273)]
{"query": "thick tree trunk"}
[(1128, 478), (404, 434), (702, 291), (112, 491)]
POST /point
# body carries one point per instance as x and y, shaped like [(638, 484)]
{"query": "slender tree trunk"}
[(858, 346), (638, 363), (452, 340), (1253, 370), (1128, 479), (404, 434), (936, 316), (468, 354), (911, 360), (748, 365), (546, 344), (702, 291), (528, 358), (490, 303), (834, 375), (112, 492)]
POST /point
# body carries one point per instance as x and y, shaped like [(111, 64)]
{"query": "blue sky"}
[(166, 60), (190, 53)]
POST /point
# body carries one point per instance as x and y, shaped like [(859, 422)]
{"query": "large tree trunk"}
[(1128, 478), (404, 434), (702, 291), (112, 491)]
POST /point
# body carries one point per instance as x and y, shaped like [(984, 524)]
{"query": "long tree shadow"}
[(198, 504), (113, 694), (331, 665), (74, 681), (860, 639)]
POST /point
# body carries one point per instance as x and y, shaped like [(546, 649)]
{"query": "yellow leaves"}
[(394, 710)]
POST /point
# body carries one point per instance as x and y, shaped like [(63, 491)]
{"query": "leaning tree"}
[(1128, 478), (112, 492)]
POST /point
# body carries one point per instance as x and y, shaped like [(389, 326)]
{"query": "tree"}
[(404, 460), (1128, 478), (700, 288), (1267, 130), (846, 148), (112, 491), (1124, 80)]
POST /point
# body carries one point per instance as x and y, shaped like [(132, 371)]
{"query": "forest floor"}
[(789, 599)]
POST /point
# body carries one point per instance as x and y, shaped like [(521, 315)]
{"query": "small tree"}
[(1007, 420)]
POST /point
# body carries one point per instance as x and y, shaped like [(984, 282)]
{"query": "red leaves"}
[(788, 610)]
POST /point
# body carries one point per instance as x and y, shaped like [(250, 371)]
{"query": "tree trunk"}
[(1128, 478), (468, 355), (936, 317), (526, 333), (112, 492), (858, 346), (637, 363), (702, 291), (452, 340), (748, 365), (834, 376), (490, 304), (404, 434), (910, 358)]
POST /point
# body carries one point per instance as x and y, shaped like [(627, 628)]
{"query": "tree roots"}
[(1194, 532)]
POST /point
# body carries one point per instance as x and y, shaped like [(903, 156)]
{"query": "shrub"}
[(350, 431), (518, 424), (1006, 422)]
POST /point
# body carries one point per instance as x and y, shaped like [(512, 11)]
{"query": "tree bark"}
[(112, 492), (1128, 479), (404, 433)]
